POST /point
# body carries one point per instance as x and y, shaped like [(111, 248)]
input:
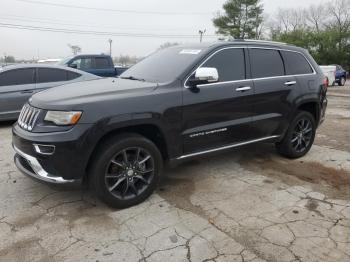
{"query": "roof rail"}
[(260, 41)]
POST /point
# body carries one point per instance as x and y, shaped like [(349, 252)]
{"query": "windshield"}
[(64, 61), (163, 66)]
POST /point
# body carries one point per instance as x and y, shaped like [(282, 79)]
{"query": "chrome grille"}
[(28, 117)]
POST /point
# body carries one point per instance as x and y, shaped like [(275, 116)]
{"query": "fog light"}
[(44, 149)]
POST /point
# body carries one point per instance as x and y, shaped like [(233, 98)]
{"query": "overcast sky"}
[(159, 18)]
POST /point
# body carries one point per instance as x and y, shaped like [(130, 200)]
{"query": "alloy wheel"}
[(302, 135), (129, 173)]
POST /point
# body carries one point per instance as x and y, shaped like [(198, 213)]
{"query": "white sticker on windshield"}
[(190, 51)]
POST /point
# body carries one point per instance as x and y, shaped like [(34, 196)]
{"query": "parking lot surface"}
[(248, 204)]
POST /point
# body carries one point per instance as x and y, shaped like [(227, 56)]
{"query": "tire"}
[(126, 170), (302, 131), (342, 81)]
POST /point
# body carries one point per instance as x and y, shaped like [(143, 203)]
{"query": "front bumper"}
[(67, 163), (30, 166)]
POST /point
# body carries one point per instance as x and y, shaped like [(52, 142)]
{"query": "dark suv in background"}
[(100, 65), (176, 104)]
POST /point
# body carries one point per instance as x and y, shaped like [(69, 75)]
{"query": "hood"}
[(71, 96)]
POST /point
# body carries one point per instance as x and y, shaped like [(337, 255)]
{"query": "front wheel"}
[(342, 81), (299, 136), (126, 170)]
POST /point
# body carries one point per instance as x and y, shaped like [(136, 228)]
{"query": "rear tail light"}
[(325, 81)]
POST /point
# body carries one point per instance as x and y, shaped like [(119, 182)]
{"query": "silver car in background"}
[(19, 82)]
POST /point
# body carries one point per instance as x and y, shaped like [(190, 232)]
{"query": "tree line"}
[(323, 29)]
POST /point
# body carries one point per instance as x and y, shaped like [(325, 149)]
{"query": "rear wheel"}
[(299, 137), (126, 170)]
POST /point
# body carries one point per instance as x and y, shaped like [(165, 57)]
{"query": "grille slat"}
[(20, 116), (25, 111), (28, 117)]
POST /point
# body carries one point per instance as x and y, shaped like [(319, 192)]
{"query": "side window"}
[(230, 64), (266, 63), (46, 75), (296, 63), (17, 77), (101, 63), (72, 75), (83, 63), (77, 62)]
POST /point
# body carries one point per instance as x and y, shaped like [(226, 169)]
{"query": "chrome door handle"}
[(290, 83), (243, 88), (27, 91)]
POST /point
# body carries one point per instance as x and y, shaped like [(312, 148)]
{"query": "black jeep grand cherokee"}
[(176, 104)]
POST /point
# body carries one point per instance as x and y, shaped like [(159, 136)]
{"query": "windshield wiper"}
[(133, 78)]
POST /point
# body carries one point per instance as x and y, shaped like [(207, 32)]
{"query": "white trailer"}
[(329, 72)]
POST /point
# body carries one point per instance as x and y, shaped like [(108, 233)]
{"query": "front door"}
[(16, 87), (219, 114)]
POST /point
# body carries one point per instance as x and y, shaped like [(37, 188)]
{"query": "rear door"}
[(307, 78), (273, 92), (219, 114), (297, 65), (104, 67), (16, 87), (50, 77)]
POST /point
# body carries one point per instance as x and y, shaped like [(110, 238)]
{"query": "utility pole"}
[(201, 33), (110, 46)]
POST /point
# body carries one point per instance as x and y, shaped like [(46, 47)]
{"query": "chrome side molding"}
[(226, 147)]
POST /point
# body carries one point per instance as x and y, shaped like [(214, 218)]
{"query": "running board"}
[(226, 147)]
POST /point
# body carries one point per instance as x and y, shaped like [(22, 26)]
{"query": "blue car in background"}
[(340, 75), (100, 65)]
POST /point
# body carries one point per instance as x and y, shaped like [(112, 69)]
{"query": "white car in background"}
[(49, 61), (329, 72), (19, 82)]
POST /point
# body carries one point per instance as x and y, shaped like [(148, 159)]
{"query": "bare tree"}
[(297, 19), (340, 20), (168, 44), (125, 60), (283, 19), (290, 20), (262, 28), (316, 16), (75, 49)]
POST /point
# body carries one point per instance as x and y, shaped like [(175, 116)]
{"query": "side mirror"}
[(204, 75), (73, 66)]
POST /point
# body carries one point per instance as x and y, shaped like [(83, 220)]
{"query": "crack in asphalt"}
[(283, 217)]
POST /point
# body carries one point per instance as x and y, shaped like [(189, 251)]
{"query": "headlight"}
[(62, 118)]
